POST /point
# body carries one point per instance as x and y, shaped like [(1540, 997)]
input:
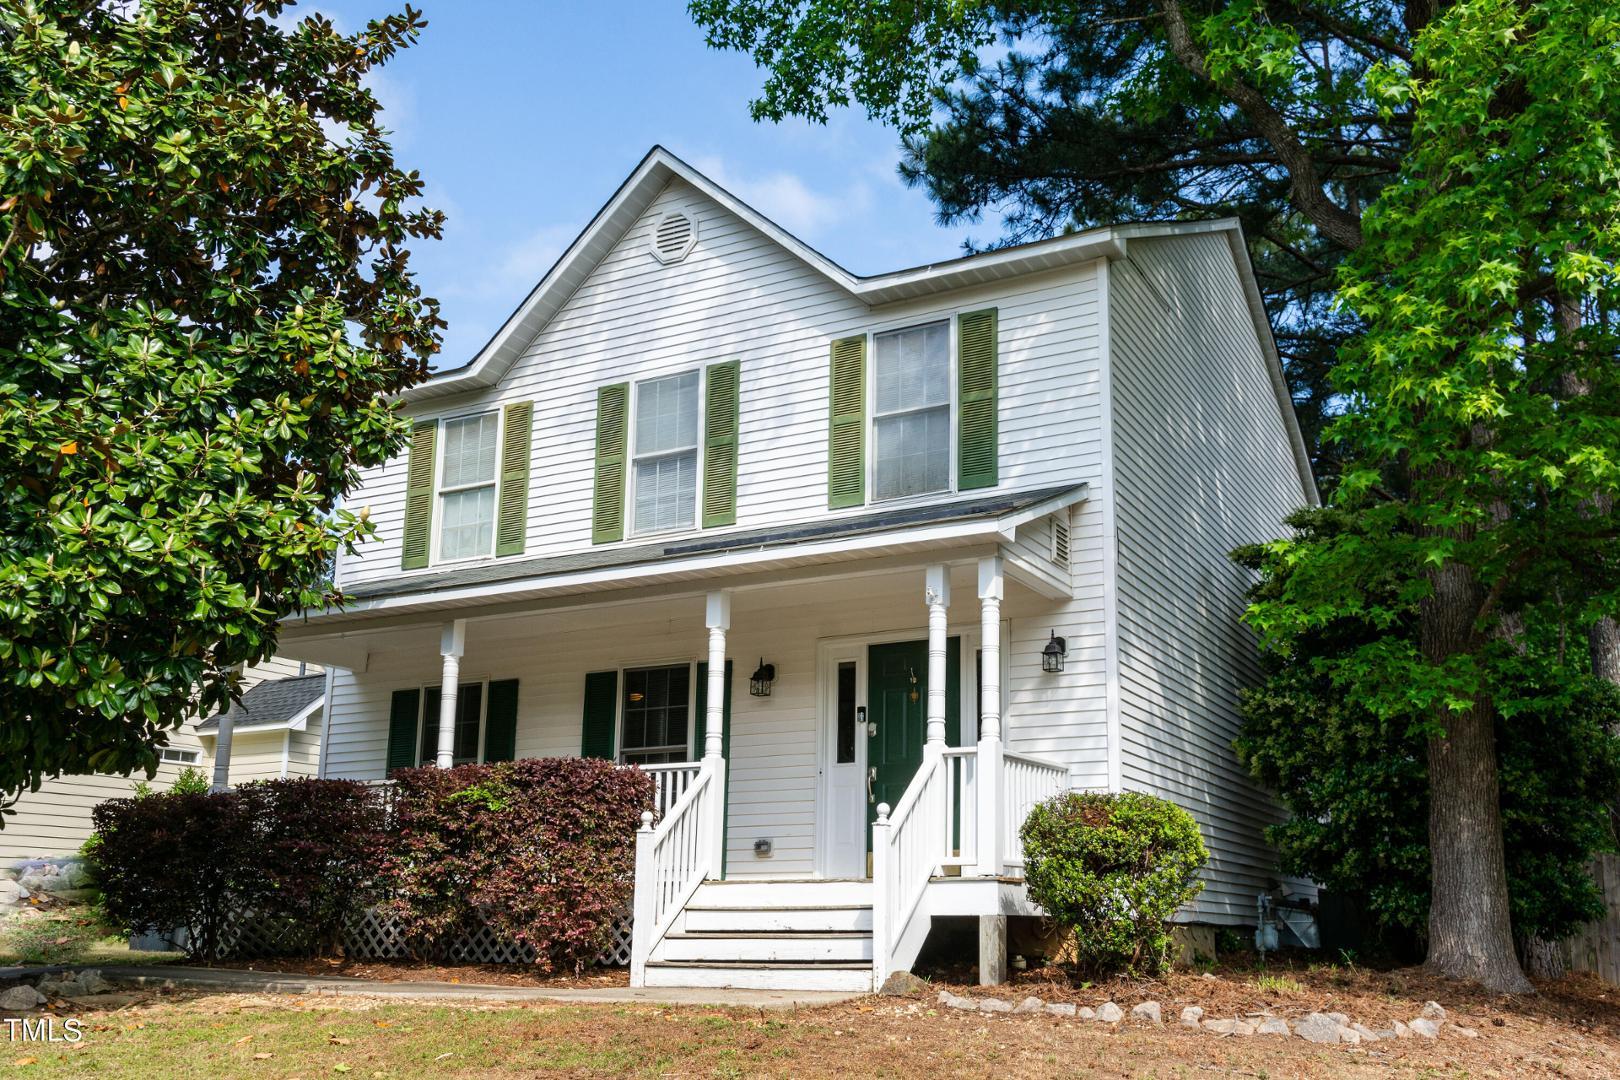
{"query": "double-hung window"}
[(467, 474), (657, 715), (911, 411), (469, 726), (665, 453)]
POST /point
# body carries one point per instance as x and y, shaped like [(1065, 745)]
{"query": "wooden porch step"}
[(853, 977), (767, 893), (809, 918), (771, 948)]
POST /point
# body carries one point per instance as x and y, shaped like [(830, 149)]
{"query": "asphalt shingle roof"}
[(274, 701)]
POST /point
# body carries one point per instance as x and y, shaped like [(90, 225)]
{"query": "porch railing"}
[(1025, 781), (908, 846), (673, 858), (672, 780), (961, 765)]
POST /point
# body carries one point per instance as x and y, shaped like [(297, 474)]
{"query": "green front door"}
[(897, 701)]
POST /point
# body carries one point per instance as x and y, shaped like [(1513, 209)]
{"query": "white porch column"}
[(937, 594), (718, 620), (988, 782), (452, 645)]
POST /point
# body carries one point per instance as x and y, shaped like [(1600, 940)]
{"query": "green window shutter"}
[(512, 520), (976, 452), (402, 716), (720, 445), (419, 496), (500, 721), (612, 425), (601, 715), (430, 725), (725, 738), (846, 445)]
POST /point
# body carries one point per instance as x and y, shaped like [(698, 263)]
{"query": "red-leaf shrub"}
[(174, 862), (541, 850), (316, 857)]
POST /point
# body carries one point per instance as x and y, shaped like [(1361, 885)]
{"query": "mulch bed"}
[(414, 971)]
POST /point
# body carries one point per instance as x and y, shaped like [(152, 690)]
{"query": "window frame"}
[(441, 444), (631, 457), (949, 320), (183, 756), (693, 751), (483, 717)]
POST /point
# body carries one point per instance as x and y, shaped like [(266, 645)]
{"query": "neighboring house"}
[(859, 568), (275, 728)]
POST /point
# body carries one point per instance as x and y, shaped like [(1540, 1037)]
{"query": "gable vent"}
[(673, 237), (1060, 542)]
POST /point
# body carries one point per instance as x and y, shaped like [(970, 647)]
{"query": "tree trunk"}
[(1470, 932), (1603, 639), (1545, 959)]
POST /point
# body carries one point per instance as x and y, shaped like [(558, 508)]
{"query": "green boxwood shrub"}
[(1113, 868)]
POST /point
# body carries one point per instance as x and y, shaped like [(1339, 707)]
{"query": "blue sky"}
[(524, 118)]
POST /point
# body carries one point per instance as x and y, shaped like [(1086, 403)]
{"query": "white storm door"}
[(843, 755)]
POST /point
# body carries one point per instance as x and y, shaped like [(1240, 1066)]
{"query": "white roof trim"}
[(299, 721)]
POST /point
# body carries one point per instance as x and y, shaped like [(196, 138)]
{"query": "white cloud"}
[(788, 200)]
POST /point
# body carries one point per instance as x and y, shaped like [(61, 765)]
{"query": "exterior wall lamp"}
[(759, 683), (1052, 655)]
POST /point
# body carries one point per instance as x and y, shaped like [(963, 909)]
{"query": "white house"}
[(860, 567)]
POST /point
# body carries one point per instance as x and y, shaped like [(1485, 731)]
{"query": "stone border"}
[(1313, 1027)]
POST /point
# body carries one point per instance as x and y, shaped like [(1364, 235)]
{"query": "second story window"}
[(665, 453), (911, 411), (467, 473)]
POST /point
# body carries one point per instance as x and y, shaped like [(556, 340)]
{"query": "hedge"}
[(540, 850)]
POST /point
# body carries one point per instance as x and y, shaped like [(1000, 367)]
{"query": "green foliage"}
[(1356, 779), (48, 940), (1113, 868), (205, 296), (190, 782)]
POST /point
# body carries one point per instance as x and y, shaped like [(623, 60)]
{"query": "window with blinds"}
[(665, 454), (911, 411), (467, 474)]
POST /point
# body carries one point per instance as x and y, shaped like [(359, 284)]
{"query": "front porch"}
[(908, 727)]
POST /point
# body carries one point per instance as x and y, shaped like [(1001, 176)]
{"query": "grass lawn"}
[(184, 1035)]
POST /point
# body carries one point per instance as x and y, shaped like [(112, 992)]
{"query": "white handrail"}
[(672, 860), (907, 847), (1025, 781), (672, 780)]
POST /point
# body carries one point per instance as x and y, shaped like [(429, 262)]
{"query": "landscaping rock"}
[(1086, 1012), (1273, 1025), (1349, 1035), (1029, 1005), (11, 892), (955, 1001), (1338, 1018), (1402, 1031), (20, 999), (995, 1005), (1367, 1034), (75, 984), (1424, 1028), (902, 984), (1465, 1032), (1229, 1027), (1109, 1013), (1148, 1011), (1317, 1028), (1191, 1015), (1060, 1008), (1433, 1010)]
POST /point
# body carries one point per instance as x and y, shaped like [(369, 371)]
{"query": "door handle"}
[(871, 778)]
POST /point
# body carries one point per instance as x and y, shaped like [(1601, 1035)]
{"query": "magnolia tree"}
[(205, 296)]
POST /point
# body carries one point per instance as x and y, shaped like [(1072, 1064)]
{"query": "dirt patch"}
[(413, 971)]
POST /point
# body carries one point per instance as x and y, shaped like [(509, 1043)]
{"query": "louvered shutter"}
[(429, 752), (846, 448), (601, 715), (612, 423), (418, 540), (976, 399), (403, 711), (512, 520), (720, 445), (500, 721)]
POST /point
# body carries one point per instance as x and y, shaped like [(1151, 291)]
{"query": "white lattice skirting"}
[(375, 936)]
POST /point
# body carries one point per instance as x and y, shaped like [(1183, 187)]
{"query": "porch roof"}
[(905, 528), (273, 705)]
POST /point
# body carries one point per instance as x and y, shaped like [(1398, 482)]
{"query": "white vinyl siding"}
[(1202, 464), (665, 451), (467, 487), (911, 411)]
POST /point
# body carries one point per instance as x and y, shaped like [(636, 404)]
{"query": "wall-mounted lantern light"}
[(759, 683), (1052, 655)]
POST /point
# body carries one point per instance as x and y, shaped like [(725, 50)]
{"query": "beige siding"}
[(1202, 463)]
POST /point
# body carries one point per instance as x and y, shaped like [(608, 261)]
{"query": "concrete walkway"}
[(234, 980)]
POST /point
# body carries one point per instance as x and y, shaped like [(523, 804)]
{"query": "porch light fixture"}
[(1052, 655), (759, 683)]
